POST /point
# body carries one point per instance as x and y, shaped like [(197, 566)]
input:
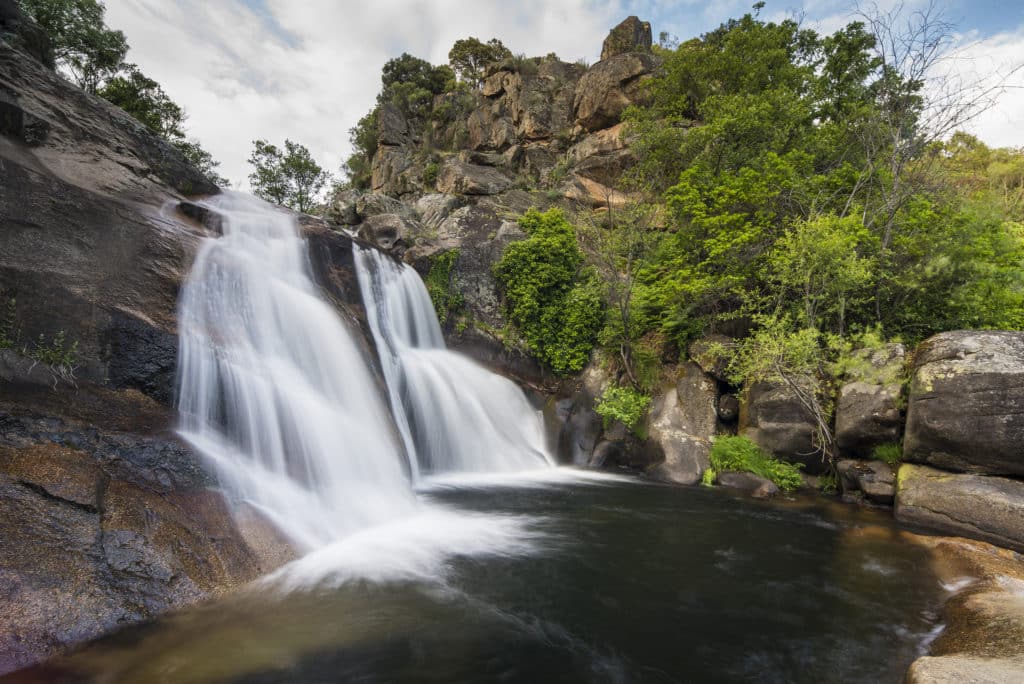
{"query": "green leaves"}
[(469, 56), (742, 455), (290, 176), (553, 302), (623, 404)]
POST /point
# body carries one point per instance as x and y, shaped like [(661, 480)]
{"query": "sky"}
[(307, 70)]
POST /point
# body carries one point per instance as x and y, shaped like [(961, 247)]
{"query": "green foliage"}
[(410, 84), (201, 159), (288, 176), (144, 99), (441, 285), (84, 47), (828, 484), (57, 354), (891, 453), (363, 137), (708, 477), (743, 455), (623, 404), (553, 301), (469, 56), (430, 172)]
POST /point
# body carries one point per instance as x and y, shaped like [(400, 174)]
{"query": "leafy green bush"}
[(551, 299), (891, 453), (741, 454), (623, 404), (430, 174), (707, 478), (447, 300), (828, 484)]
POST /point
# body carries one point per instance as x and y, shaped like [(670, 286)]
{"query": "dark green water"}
[(626, 583)]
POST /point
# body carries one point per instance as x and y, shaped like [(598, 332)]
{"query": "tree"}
[(469, 56), (84, 46), (288, 176), (145, 99), (619, 243), (410, 84), (363, 137), (201, 159)]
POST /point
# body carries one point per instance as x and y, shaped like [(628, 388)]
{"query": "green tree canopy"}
[(84, 46), (288, 176), (469, 56)]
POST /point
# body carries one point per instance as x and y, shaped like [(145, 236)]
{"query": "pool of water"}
[(584, 581)]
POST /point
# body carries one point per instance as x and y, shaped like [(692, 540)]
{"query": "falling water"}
[(454, 415), (273, 388)]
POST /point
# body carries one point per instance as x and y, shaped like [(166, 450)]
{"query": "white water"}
[(274, 390), (454, 415)]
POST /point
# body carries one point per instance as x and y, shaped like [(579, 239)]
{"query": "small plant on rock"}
[(623, 404)]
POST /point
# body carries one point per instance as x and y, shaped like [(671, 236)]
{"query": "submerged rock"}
[(966, 406), (755, 485)]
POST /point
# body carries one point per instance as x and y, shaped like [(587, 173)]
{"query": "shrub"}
[(707, 478), (623, 404), (551, 299), (447, 300), (741, 454), (891, 453), (430, 174)]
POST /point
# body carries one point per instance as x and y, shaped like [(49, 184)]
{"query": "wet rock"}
[(966, 404), (632, 35), (975, 506), (582, 427), (774, 417), (755, 485), (874, 480), (681, 425), (608, 87), (982, 639), (110, 529), (459, 178)]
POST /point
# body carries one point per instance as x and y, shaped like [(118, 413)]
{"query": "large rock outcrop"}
[(632, 35), (966, 405), (608, 87), (868, 408), (980, 507), (681, 426)]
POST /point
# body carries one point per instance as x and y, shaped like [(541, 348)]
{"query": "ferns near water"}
[(743, 455)]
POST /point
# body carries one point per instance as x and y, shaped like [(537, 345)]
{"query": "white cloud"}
[(239, 78), (308, 70)]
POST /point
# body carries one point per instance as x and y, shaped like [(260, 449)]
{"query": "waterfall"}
[(453, 415), (274, 390)]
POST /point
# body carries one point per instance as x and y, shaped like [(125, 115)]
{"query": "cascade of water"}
[(454, 415), (273, 388)]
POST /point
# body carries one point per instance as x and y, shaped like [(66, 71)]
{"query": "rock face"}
[(682, 423), (110, 529), (868, 408), (966, 405), (610, 86), (19, 31), (459, 178), (774, 418), (632, 35), (986, 508)]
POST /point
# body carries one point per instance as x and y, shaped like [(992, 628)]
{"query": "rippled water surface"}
[(556, 579)]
